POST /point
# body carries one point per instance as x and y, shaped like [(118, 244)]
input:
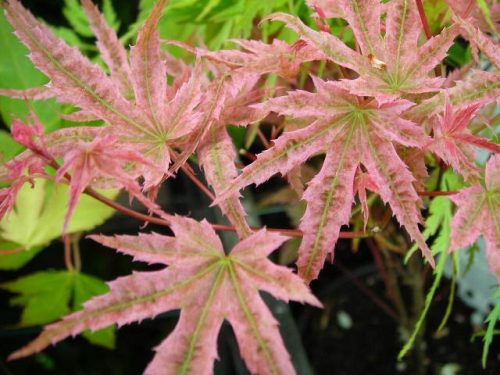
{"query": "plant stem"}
[(390, 280), (423, 18), (368, 292), (435, 193), (198, 183), (67, 253), (438, 70)]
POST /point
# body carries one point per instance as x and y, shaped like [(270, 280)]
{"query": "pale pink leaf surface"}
[(364, 18), (479, 40), (148, 122), (331, 46), (278, 57), (479, 214), (415, 160), (207, 285), (17, 173), (80, 116), (30, 135), (329, 197), (470, 11), (148, 67), (478, 87), (454, 143), (216, 150), (211, 107), (217, 156), (103, 158), (391, 65), (74, 79), (329, 8), (350, 134), (112, 51)]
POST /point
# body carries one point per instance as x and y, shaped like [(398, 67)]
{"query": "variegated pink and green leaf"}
[(351, 132), (208, 286), (391, 65), (479, 214)]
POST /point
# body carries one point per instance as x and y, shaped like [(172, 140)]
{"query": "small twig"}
[(368, 292), (263, 138), (67, 253), (435, 193), (428, 33), (389, 281), (197, 182), (423, 18), (75, 246)]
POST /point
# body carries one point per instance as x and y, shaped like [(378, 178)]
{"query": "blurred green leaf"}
[(18, 72), (14, 256), (76, 17), (8, 147), (39, 215), (440, 217), (48, 295), (458, 55), (85, 287), (44, 296)]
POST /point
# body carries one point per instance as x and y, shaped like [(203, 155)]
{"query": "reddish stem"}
[(67, 253), (423, 18), (197, 182), (368, 292), (428, 33), (435, 193)]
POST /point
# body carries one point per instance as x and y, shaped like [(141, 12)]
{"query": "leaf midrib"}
[(327, 206)]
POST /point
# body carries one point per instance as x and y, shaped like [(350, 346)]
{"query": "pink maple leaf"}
[(350, 132), (479, 213), (208, 286), (454, 143), (391, 65), (132, 101), (97, 162)]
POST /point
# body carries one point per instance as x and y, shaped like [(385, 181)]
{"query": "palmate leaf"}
[(48, 295), (391, 65), (207, 285), (479, 214), (142, 118), (455, 144), (351, 133), (112, 51), (26, 226)]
